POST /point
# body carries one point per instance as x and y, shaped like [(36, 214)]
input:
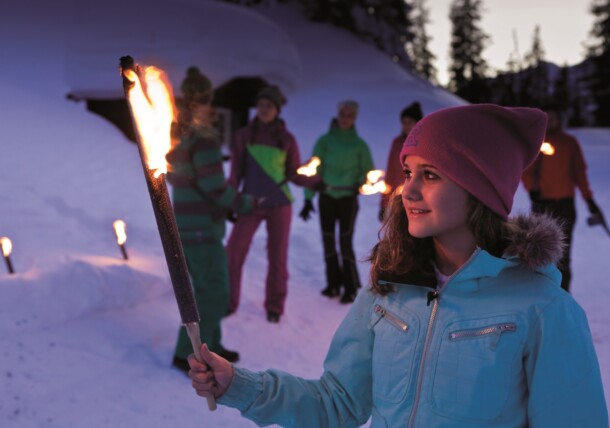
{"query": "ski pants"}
[(565, 211), (207, 264), (342, 211), (278, 228)]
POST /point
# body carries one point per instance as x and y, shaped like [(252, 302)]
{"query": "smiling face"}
[(266, 111), (346, 118), (436, 207)]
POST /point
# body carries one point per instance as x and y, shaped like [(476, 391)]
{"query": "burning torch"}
[(121, 236), (7, 247), (308, 170), (374, 184), (151, 107)]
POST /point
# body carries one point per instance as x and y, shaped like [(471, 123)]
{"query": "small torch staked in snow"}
[(7, 247), (120, 231), (374, 184), (151, 107)]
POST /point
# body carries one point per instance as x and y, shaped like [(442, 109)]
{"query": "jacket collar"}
[(534, 242)]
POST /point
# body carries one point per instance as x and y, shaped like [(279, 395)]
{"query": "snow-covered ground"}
[(86, 339)]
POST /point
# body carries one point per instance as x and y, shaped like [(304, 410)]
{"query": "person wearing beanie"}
[(273, 94), (265, 156), (201, 199), (345, 160), (465, 324), (394, 177), (551, 182)]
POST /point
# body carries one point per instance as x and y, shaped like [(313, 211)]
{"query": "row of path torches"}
[(119, 227)]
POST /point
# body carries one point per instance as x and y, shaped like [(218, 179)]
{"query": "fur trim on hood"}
[(535, 239)]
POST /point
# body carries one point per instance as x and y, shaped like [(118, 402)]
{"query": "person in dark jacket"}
[(345, 160), (551, 182), (465, 324), (201, 199), (265, 156), (394, 177)]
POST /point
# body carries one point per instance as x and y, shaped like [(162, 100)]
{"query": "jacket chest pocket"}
[(477, 366), (393, 350)]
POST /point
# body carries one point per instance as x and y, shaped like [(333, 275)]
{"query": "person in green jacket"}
[(345, 160), (201, 200)]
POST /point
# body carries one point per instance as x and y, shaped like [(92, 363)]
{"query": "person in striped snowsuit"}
[(202, 199)]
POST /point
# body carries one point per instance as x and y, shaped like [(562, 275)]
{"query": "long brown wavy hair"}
[(398, 253)]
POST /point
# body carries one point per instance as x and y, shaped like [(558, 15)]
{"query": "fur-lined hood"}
[(533, 241), (536, 240)]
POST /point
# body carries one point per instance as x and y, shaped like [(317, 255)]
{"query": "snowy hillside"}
[(86, 338)]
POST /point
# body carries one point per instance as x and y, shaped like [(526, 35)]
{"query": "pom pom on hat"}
[(413, 111), (196, 87), (483, 148), (273, 94)]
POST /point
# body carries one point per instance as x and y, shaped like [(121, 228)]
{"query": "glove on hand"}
[(308, 208), (320, 186), (593, 208), (231, 216)]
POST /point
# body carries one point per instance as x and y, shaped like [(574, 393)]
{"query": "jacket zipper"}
[(393, 319), (435, 296), (494, 329)]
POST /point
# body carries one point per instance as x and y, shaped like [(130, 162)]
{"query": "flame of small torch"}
[(153, 113), (120, 231), (547, 149), (7, 246), (310, 168), (374, 183)]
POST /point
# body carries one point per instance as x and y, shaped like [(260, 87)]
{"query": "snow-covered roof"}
[(225, 41)]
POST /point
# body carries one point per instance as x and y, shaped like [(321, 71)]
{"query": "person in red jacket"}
[(551, 182), (394, 176)]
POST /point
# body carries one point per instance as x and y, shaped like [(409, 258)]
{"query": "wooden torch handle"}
[(192, 330)]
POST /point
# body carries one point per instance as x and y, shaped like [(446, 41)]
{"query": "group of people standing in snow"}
[(264, 159), (463, 322)]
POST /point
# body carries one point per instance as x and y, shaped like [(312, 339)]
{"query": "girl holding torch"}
[(202, 199), (465, 323)]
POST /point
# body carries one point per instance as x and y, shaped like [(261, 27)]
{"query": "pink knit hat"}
[(483, 148)]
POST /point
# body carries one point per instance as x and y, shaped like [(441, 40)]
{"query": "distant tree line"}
[(581, 91), (398, 28), (386, 23)]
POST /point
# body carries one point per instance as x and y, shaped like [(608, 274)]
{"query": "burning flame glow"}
[(153, 113), (119, 231), (547, 149), (7, 246), (374, 183), (310, 168)]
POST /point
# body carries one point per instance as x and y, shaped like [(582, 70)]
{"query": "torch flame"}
[(310, 168), (547, 149), (374, 183), (119, 231), (153, 113), (7, 246)]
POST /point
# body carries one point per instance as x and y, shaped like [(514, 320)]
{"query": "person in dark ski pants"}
[(394, 177), (201, 200), (265, 154), (551, 182), (465, 324), (345, 160)]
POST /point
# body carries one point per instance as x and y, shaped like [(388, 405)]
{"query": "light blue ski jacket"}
[(501, 346)]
